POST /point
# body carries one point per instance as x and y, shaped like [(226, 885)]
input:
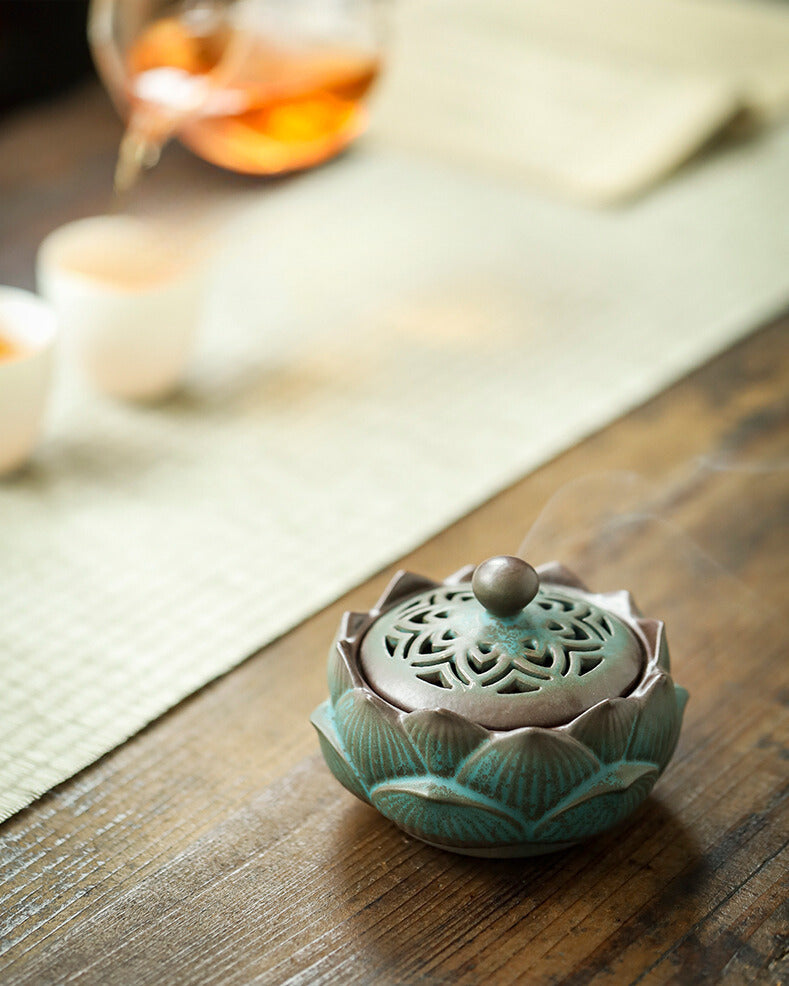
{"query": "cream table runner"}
[(388, 342)]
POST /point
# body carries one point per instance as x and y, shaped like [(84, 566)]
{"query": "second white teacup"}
[(128, 297), (28, 329)]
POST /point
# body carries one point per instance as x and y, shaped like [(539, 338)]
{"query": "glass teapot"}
[(256, 86)]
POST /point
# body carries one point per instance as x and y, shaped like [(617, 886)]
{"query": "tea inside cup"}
[(28, 328)]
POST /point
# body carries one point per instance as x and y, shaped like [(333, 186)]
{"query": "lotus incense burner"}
[(503, 712)]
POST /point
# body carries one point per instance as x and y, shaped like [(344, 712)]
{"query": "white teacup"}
[(28, 328), (128, 297)]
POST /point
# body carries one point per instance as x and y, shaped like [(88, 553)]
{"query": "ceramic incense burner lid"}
[(500, 657), (503, 712)]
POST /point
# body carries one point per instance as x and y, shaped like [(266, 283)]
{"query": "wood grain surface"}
[(215, 847)]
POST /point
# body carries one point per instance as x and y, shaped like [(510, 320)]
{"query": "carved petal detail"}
[(446, 814), (375, 740), (530, 769), (340, 675), (558, 574), (333, 753), (461, 575), (620, 602), (403, 584), (443, 738), (601, 809), (606, 728), (351, 624), (658, 723), (655, 633)]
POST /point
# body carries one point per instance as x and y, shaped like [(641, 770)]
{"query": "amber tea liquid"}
[(274, 109), (8, 349)]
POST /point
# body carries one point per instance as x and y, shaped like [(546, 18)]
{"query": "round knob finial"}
[(505, 585)]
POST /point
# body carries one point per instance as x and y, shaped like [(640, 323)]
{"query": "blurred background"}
[(43, 49)]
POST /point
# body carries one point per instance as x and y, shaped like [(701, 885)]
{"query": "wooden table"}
[(215, 847)]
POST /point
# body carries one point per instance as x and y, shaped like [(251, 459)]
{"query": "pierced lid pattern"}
[(556, 658)]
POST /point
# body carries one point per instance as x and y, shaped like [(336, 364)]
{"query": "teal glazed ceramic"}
[(503, 712)]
